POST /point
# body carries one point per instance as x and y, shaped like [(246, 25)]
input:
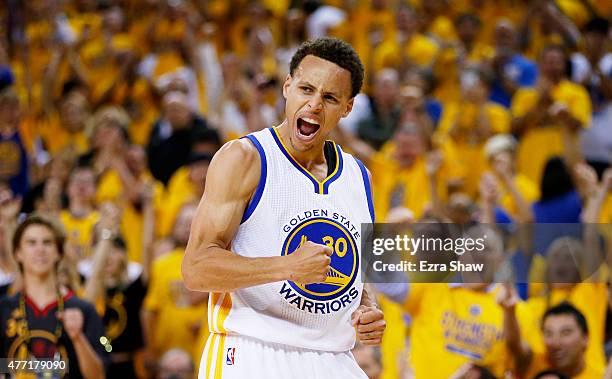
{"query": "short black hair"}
[(597, 25), (207, 135), (566, 308), (468, 17), (335, 51)]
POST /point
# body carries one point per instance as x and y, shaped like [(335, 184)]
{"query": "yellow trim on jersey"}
[(213, 337), (219, 365), (211, 311), (224, 310), (321, 184), (220, 305)]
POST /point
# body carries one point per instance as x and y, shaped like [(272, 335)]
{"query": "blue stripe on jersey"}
[(368, 187), (319, 187), (262, 179)]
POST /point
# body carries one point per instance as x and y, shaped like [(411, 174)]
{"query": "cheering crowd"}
[(473, 112)]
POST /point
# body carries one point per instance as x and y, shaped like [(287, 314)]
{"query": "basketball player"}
[(277, 235)]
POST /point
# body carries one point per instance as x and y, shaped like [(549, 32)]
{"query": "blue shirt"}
[(14, 163), (522, 71), (434, 110)]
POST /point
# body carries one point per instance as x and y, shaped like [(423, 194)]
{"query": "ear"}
[(18, 256), (349, 107), (286, 85)]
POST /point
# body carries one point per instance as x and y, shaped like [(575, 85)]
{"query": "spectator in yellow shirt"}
[(80, 217), (459, 55), (66, 129), (566, 336), (405, 173), (548, 116), (436, 21), (408, 47), (516, 191), (173, 315), (573, 272), (456, 323), (468, 123), (124, 176), (544, 24), (186, 185)]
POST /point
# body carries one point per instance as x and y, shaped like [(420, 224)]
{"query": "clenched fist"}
[(72, 318), (369, 322), (309, 263)]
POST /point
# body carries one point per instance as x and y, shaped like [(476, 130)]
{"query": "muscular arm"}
[(208, 264)]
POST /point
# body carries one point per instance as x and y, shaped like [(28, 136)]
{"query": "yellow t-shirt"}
[(490, 13), (542, 142), (394, 341), (443, 29), (110, 188), (468, 146), (605, 217), (79, 231), (180, 190), (453, 326), (527, 188), (408, 186), (539, 364), (419, 49), (588, 298), (447, 68), (168, 297), (575, 11), (57, 138), (369, 20)]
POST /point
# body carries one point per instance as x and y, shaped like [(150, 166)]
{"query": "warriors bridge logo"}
[(330, 295)]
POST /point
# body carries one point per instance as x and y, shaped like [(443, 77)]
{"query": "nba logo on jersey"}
[(229, 360)]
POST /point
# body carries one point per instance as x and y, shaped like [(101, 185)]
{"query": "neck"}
[(468, 44), (41, 288), (79, 207), (577, 368), (555, 79), (308, 158)]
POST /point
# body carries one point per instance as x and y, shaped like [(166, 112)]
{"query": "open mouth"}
[(307, 128)]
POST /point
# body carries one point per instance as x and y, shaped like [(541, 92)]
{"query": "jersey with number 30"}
[(290, 206)]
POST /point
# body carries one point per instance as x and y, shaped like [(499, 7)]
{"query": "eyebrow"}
[(335, 94)]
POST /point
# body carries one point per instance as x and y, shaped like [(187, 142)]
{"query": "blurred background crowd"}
[(472, 111)]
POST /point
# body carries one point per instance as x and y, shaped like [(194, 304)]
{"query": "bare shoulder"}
[(236, 166)]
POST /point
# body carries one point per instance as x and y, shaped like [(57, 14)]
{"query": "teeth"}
[(310, 120)]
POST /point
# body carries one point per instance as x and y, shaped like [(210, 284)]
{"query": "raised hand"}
[(488, 188), (586, 178), (507, 297), (72, 318)]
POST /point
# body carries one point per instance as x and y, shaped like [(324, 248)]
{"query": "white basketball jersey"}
[(291, 206)]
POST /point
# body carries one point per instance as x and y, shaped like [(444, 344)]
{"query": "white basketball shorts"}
[(239, 357)]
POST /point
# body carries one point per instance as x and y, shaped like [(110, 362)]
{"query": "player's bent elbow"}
[(194, 278)]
